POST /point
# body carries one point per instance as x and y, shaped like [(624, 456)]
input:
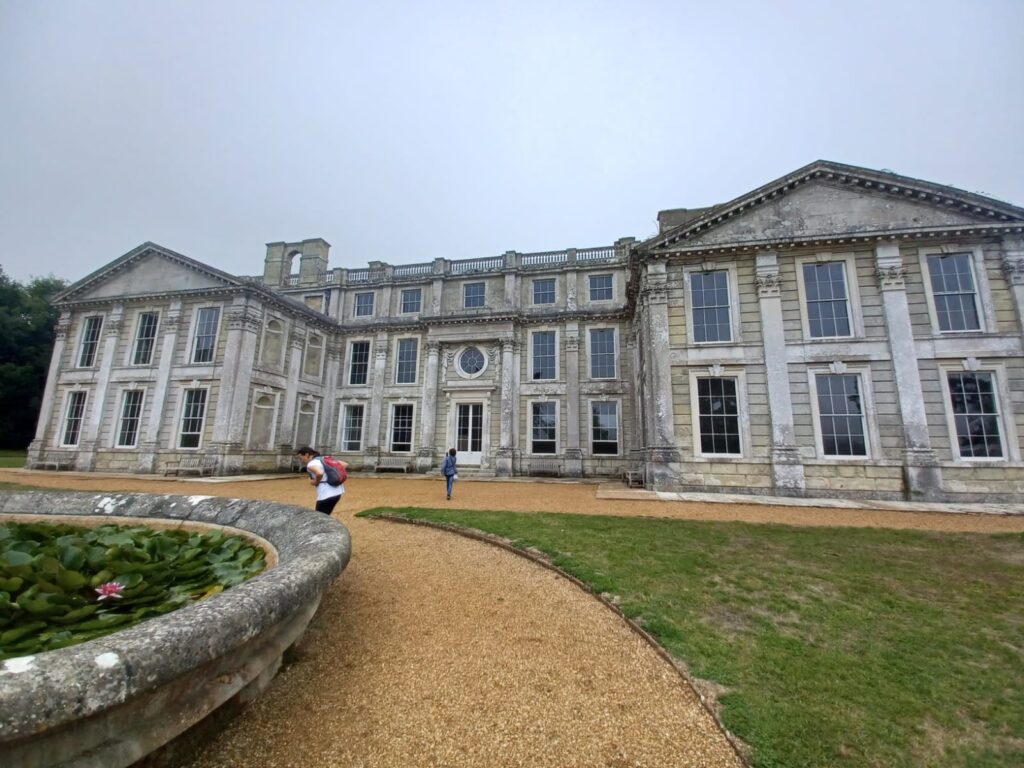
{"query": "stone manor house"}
[(837, 332)]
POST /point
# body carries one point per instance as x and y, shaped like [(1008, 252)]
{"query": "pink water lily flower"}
[(110, 589)]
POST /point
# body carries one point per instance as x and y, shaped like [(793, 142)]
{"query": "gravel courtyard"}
[(436, 650)]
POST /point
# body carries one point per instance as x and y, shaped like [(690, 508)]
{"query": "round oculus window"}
[(471, 361)]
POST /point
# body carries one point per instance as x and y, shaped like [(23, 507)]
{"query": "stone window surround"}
[(457, 360), (743, 406), (274, 366), (79, 346), (732, 280), (615, 346), (1007, 425), (590, 297), (66, 412), (183, 389), (867, 400), (558, 353), (590, 426), (396, 343), (256, 395), (465, 297), (137, 325), (533, 291), (119, 421), (854, 310), (391, 427), (193, 329), (401, 301), (299, 402), (982, 289), (558, 424), (349, 361), (356, 307), (318, 376), (343, 406)]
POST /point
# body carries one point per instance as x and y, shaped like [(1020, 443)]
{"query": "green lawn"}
[(14, 459), (834, 646)]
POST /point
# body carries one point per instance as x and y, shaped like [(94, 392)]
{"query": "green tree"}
[(27, 322)]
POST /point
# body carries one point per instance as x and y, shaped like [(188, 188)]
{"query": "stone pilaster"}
[(374, 444), (46, 415), (503, 462), (428, 408), (334, 350), (1013, 269), (113, 325), (787, 469), (156, 401), (921, 472), (244, 325), (663, 458), (287, 435), (573, 454)]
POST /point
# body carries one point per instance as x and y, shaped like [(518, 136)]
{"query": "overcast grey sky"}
[(405, 131)]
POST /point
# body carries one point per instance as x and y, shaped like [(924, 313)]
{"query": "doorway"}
[(469, 432)]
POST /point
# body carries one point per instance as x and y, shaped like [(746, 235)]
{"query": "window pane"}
[(600, 287), (353, 430), (401, 429), (544, 291), (406, 361), (411, 300), (474, 294), (842, 415), (953, 291), (718, 407), (131, 411), (192, 418), (827, 306), (544, 355), (544, 428), (364, 304), (360, 365), (90, 341), (602, 353), (73, 423), (206, 335), (976, 414), (604, 428), (710, 298), (145, 339)]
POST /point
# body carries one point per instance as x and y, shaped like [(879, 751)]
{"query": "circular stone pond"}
[(110, 701)]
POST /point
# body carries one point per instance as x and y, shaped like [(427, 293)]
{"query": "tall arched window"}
[(273, 344), (261, 425)]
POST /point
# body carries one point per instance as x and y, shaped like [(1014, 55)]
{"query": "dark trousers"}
[(327, 505)]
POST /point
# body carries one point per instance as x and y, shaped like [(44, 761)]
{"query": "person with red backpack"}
[(327, 474)]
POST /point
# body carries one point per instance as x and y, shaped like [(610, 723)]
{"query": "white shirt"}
[(324, 490)]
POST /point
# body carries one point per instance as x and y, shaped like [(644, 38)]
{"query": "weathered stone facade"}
[(837, 332)]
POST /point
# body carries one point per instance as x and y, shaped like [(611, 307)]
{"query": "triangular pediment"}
[(145, 271), (827, 200)]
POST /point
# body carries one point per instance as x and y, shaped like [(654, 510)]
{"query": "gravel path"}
[(436, 650)]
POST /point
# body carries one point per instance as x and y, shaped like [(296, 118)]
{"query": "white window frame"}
[(618, 355), (867, 399), (742, 404), (342, 421), (69, 397), (982, 291), (355, 303), (80, 348), (558, 424), (258, 393), (1007, 426), (391, 428), (458, 361), (466, 285), (135, 339), (416, 366), (854, 314), (590, 291), (193, 334), (302, 400), (533, 291), (558, 354), (119, 423), (590, 426), (401, 301), (350, 361), (318, 376), (181, 418), (732, 281)]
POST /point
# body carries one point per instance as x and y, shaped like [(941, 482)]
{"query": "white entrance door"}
[(469, 432)]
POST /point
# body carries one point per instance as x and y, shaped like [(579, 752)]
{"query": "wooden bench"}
[(192, 465), (546, 467), (633, 478), (56, 460), (393, 462)]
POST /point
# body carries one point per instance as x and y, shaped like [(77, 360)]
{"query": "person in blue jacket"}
[(449, 470)]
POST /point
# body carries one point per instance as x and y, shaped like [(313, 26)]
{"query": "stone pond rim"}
[(110, 701)]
